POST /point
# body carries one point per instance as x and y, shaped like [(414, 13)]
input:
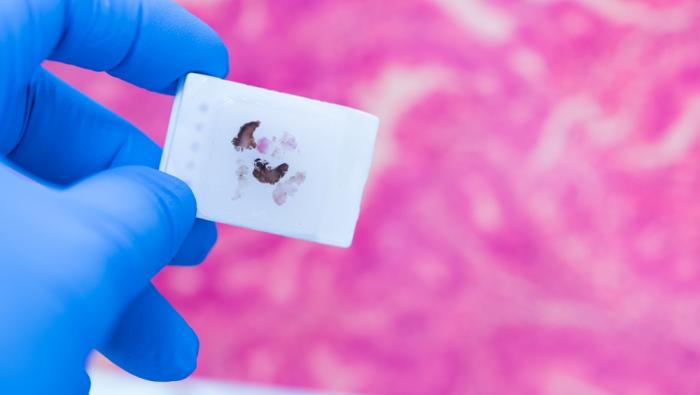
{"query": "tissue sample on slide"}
[(267, 174), (287, 188), (263, 145), (262, 170), (288, 142), (242, 180), (245, 139)]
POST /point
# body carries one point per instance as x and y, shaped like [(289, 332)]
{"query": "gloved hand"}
[(85, 220)]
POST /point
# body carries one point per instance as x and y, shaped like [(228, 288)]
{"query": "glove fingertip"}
[(187, 360), (181, 363), (152, 341), (197, 245)]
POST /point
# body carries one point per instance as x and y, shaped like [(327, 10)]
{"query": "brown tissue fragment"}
[(245, 139), (266, 174)]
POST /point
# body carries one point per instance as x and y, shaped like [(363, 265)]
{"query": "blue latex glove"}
[(85, 220)]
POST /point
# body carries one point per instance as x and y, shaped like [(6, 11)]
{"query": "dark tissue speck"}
[(245, 140), (266, 174)]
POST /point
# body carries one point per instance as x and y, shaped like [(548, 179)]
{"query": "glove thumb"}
[(142, 216)]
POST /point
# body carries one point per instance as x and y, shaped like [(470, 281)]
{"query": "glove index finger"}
[(150, 43)]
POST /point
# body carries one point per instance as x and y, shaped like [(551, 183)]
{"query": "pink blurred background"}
[(531, 225)]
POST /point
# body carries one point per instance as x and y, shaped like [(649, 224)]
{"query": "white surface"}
[(335, 146), (106, 382)]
